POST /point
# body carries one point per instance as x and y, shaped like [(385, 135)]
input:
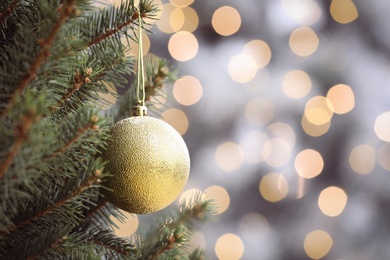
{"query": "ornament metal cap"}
[(140, 111)]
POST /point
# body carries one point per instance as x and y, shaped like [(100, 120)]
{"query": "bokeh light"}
[(187, 90), (107, 100), (176, 19), (382, 126), (242, 68), (259, 111), (296, 84), (308, 163), (188, 196), (181, 3), (226, 20), (229, 156), (255, 226), (303, 41), (332, 201), (313, 129), (304, 12), (342, 98), (126, 227), (164, 23), (362, 158), (176, 118), (283, 131), (133, 50), (183, 46), (343, 11), (260, 51), (229, 247), (384, 156), (277, 152), (318, 244), (252, 144), (191, 19), (220, 197), (273, 187), (159, 100), (318, 110)]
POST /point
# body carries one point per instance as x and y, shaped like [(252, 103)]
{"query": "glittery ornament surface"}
[(149, 163)]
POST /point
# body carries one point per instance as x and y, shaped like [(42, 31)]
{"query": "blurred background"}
[(284, 106)]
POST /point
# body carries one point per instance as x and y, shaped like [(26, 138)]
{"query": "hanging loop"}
[(140, 64)]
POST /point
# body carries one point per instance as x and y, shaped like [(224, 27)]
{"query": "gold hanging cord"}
[(140, 109)]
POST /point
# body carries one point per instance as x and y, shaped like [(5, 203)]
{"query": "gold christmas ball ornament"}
[(149, 164)]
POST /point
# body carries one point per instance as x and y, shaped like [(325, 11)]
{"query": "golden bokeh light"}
[(277, 152), (183, 46), (229, 156), (188, 196), (191, 19), (314, 130), (254, 225), (308, 163), (296, 84), (126, 227), (159, 100), (332, 201), (187, 90), (318, 110), (259, 111), (283, 131), (304, 12), (382, 126), (226, 20), (384, 156), (273, 187), (343, 11), (107, 100), (220, 197), (362, 158), (176, 19), (181, 3), (342, 98), (259, 51), (303, 41), (164, 23), (242, 68), (317, 244), (133, 50), (229, 247), (252, 144), (176, 118)]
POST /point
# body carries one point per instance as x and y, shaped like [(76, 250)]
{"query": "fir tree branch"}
[(53, 245), (8, 11), (172, 235), (21, 136), (144, 9), (89, 125), (111, 32), (79, 80), (94, 179), (103, 235), (44, 53)]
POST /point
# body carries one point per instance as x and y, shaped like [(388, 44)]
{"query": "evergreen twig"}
[(79, 80), (95, 178), (51, 246), (89, 125), (44, 53), (21, 136), (8, 11), (111, 32)]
